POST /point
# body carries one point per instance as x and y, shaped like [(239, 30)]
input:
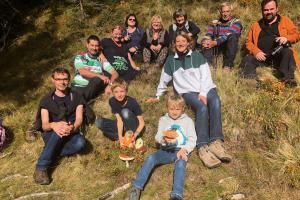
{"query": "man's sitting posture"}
[(60, 117), (269, 43), (92, 75), (222, 36)]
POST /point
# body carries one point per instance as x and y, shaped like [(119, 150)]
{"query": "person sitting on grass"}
[(60, 117), (155, 42), (127, 111), (119, 56), (132, 36), (177, 138), (91, 75), (192, 79)]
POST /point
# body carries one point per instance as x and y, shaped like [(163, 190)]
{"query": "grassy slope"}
[(261, 125)]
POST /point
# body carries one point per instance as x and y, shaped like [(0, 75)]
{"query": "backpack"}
[(2, 135)]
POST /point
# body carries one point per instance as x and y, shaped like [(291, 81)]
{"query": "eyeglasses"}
[(131, 19)]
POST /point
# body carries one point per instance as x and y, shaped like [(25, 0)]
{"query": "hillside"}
[(261, 123)]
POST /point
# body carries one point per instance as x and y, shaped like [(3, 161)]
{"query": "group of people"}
[(109, 65)]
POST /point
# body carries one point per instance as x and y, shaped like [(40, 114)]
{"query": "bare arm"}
[(132, 62), (78, 118), (60, 128), (140, 127), (120, 128)]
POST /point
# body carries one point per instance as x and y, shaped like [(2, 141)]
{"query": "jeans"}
[(283, 60), (62, 146), (208, 118), (92, 90), (110, 129), (162, 157), (229, 50)]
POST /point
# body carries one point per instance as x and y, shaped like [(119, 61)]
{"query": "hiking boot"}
[(217, 148), (30, 135), (208, 158), (135, 194), (41, 177)]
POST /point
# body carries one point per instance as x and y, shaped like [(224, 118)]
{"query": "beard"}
[(269, 17)]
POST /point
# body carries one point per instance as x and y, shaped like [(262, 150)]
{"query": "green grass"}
[(261, 125)]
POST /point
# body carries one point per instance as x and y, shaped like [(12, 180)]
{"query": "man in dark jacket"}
[(60, 116)]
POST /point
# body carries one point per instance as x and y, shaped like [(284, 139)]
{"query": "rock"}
[(237, 197)]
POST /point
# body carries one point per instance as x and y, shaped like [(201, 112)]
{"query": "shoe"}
[(175, 197), (41, 177), (208, 158), (135, 194), (217, 148), (30, 135)]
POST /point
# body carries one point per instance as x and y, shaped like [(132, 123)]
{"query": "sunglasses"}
[(130, 19)]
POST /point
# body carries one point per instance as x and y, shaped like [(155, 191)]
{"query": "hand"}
[(132, 50), (203, 99), (121, 140), (260, 56), (212, 43), (190, 34), (152, 100), (126, 38), (281, 40), (134, 137), (107, 90), (104, 79), (181, 155), (61, 128), (158, 48), (153, 48)]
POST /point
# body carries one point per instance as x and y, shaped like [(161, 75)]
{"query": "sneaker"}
[(208, 158), (41, 177), (135, 194), (217, 148), (30, 135), (175, 197)]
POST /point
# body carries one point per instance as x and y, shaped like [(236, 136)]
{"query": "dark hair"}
[(131, 15), (61, 70), (179, 12), (92, 37), (265, 2)]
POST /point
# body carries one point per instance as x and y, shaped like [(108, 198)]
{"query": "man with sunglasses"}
[(59, 117)]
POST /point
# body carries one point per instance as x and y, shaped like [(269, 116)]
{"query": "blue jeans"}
[(162, 157), (55, 145), (110, 129), (208, 118)]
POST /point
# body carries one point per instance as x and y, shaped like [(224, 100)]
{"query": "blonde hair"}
[(187, 37), (225, 4), (157, 18), (175, 100), (119, 83)]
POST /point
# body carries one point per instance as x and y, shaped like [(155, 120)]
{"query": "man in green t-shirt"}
[(91, 75)]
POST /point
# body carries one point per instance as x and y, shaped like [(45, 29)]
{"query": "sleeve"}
[(107, 66), (191, 136), (161, 128), (236, 28), (113, 106), (136, 108), (141, 34), (171, 34), (293, 34), (165, 78), (144, 41), (80, 62), (194, 28), (210, 31), (250, 42), (205, 79)]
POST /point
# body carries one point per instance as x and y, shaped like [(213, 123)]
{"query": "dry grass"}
[(261, 124)]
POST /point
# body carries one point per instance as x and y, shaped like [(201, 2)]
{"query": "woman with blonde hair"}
[(155, 42)]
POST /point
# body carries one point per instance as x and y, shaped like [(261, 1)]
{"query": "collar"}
[(188, 54)]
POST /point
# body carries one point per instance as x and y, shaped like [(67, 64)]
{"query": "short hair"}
[(187, 37), (93, 37), (225, 4), (119, 83), (131, 15), (60, 70), (117, 28), (179, 12), (265, 2), (176, 101), (156, 18)]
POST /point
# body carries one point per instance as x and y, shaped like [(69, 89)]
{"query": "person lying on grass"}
[(177, 138), (128, 114)]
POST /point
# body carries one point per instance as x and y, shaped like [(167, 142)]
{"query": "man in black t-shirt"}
[(60, 116), (118, 55)]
